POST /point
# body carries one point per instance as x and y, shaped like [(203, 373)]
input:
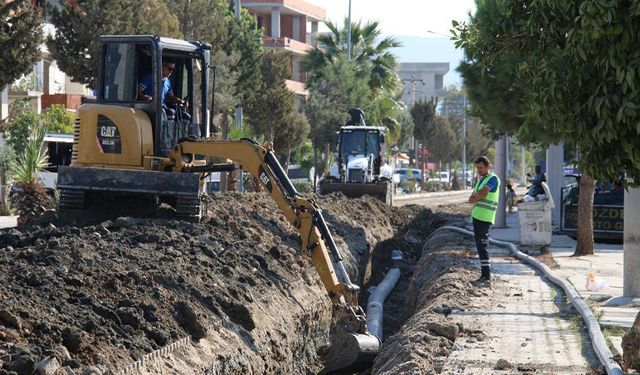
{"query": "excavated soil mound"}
[(631, 347), (439, 285), (230, 295)]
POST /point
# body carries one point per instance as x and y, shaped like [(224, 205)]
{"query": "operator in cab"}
[(145, 91)]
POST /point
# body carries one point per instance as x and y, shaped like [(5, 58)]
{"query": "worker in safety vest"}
[(485, 203)]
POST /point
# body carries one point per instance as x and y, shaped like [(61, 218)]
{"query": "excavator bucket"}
[(350, 352), (379, 190)]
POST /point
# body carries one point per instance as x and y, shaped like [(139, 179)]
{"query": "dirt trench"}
[(438, 285), (230, 295)]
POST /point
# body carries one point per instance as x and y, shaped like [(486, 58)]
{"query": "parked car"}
[(408, 174), (608, 209), (442, 176)]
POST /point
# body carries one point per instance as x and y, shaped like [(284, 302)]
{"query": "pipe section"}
[(597, 338), (375, 304)]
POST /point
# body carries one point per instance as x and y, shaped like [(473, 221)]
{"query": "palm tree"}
[(372, 59), (30, 198)]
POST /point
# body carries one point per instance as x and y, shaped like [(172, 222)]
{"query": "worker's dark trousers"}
[(481, 230)]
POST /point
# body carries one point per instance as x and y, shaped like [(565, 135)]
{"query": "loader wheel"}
[(71, 199), (188, 208)]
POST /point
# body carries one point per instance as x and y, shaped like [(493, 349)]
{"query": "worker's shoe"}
[(482, 282)]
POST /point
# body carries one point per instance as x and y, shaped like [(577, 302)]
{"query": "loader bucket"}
[(380, 190), (350, 352)]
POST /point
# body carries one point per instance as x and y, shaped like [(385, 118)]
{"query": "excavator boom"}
[(353, 347)]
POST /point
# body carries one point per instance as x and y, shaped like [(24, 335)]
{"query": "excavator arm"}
[(353, 347)]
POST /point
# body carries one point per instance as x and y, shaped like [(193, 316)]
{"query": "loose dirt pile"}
[(631, 347), (110, 294), (438, 286)]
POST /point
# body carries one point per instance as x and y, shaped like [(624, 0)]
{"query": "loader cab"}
[(362, 141), (126, 61)]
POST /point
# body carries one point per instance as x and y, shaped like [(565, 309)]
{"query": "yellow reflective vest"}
[(485, 209)]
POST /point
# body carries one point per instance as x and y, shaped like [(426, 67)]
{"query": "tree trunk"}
[(288, 163), (325, 164), (584, 246)]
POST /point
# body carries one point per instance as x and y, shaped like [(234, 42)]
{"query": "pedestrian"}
[(511, 198), (485, 203), (536, 184)]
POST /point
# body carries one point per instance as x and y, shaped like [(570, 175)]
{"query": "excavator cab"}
[(123, 138), (131, 62)]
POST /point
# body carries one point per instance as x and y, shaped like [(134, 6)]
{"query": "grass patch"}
[(613, 331)]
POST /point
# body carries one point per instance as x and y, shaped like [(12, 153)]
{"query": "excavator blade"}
[(350, 352), (380, 190)]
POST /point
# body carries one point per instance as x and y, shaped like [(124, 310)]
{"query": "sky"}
[(411, 21)]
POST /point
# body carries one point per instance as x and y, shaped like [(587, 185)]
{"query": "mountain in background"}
[(437, 49)]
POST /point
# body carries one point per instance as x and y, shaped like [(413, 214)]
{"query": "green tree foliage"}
[(214, 21), (370, 52), (225, 92), (75, 44), (424, 113), (443, 142), (277, 119), (291, 136), (372, 62), (567, 71), (20, 39), (331, 97), (58, 120), (570, 69), (22, 122)]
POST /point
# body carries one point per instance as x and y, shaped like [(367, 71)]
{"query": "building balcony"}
[(294, 7), (288, 44), (297, 88), (69, 101)]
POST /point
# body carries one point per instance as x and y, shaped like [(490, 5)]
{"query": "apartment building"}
[(288, 25), (422, 80)]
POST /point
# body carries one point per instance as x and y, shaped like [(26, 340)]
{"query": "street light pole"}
[(349, 36)]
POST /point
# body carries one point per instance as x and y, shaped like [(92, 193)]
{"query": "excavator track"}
[(188, 208), (71, 199)]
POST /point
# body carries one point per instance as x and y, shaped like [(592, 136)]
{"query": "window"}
[(120, 81)]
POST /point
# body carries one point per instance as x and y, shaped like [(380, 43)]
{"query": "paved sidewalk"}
[(525, 320), (607, 264)]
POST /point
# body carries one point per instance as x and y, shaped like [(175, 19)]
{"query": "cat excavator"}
[(128, 145)]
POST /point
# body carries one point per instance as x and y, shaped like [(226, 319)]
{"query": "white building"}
[(422, 81)]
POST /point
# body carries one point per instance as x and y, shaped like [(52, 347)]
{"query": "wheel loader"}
[(140, 147), (359, 168)]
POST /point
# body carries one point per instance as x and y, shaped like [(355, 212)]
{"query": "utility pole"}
[(523, 166), (349, 36), (501, 171), (413, 90), (464, 142), (413, 81), (239, 111)]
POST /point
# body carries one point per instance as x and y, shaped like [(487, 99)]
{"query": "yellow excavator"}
[(132, 141)]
